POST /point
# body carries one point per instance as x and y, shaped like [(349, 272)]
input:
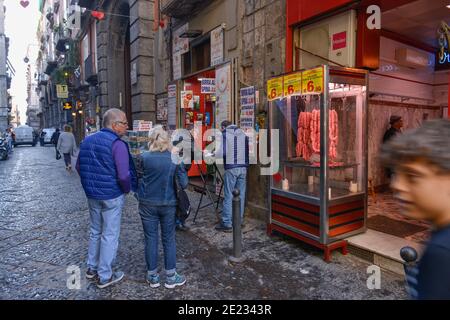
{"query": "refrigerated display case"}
[(319, 194)]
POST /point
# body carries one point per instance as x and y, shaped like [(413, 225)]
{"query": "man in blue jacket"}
[(107, 173), (235, 153)]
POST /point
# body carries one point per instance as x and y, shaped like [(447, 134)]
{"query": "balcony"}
[(61, 39), (42, 79), (88, 4), (90, 74), (182, 9), (51, 66)]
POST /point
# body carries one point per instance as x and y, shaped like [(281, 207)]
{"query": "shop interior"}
[(411, 85), (197, 112)]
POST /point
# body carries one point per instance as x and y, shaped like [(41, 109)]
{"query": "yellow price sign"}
[(274, 88), (292, 84), (312, 81)]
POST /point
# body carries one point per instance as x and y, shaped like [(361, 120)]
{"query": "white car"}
[(24, 136), (48, 135)]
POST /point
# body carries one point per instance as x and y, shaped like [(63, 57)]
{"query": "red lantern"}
[(98, 15)]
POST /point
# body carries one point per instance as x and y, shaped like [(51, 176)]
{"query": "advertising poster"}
[(208, 85), (312, 81), (223, 94), (292, 84), (187, 99), (172, 106), (247, 116), (217, 46), (275, 88)]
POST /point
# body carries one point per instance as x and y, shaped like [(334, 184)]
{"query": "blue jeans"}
[(233, 179), (104, 235), (152, 217)]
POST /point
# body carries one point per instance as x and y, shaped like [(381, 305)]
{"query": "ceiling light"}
[(448, 6)]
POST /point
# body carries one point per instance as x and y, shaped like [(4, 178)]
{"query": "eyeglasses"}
[(122, 123)]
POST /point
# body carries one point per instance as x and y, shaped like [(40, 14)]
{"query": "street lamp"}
[(27, 59)]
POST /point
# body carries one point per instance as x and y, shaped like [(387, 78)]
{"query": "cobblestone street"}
[(44, 225)]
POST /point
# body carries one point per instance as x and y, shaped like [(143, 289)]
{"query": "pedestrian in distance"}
[(42, 137), (66, 146), (235, 153), (420, 160), (158, 204), (54, 140), (107, 173), (396, 125)]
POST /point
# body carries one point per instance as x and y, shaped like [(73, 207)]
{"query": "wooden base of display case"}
[(297, 218), (327, 248)]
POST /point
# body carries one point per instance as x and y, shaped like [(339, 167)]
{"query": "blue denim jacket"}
[(156, 187)]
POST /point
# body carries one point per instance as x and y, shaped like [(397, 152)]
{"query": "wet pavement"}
[(44, 228)]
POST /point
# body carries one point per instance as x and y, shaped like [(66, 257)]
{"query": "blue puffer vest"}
[(97, 167)]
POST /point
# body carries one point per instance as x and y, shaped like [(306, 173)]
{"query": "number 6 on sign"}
[(310, 86)]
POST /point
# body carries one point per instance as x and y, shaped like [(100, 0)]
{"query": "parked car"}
[(24, 136), (48, 135)]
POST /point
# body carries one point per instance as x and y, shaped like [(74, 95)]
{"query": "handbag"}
[(183, 203), (58, 155)]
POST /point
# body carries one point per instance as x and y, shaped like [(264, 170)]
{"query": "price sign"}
[(292, 84), (275, 88), (312, 81)]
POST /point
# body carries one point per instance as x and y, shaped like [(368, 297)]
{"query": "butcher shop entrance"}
[(319, 194)]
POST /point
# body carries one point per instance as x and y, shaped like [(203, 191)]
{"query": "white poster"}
[(172, 106), (161, 109), (180, 45), (247, 116), (187, 99), (208, 85), (217, 46), (223, 94), (177, 74)]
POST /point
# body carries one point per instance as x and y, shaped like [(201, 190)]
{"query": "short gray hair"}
[(111, 116), (159, 140)]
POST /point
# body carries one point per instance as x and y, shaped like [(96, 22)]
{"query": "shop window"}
[(199, 56)]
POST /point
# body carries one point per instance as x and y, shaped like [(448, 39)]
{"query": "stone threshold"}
[(381, 249)]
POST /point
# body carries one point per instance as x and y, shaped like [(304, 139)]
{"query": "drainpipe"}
[(156, 15)]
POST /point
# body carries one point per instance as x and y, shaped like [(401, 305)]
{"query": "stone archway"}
[(113, 56)]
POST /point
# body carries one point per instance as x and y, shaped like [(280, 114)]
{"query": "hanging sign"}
[(274, 88), (172, 106), (187, 99), (292, 84), (208, 85), (67, 106), (442, 60), (62, 91), (312, 81)]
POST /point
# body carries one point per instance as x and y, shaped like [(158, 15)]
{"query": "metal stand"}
[(205, 190)]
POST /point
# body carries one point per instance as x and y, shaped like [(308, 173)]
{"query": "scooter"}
[(3, 149)]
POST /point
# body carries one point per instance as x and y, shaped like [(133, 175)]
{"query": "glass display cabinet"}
[(319, 194)]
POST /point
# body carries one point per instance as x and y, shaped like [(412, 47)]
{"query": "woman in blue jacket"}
[(157, 206)]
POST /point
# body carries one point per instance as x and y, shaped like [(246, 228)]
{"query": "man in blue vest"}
[(235, 153), (107, 173)]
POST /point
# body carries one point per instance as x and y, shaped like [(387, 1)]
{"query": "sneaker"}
[(153, 280), (116, 277), (174, 281), (91, 274), (221, 227), (181, 227)]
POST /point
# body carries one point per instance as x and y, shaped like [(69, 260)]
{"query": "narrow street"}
[(44, 225)]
